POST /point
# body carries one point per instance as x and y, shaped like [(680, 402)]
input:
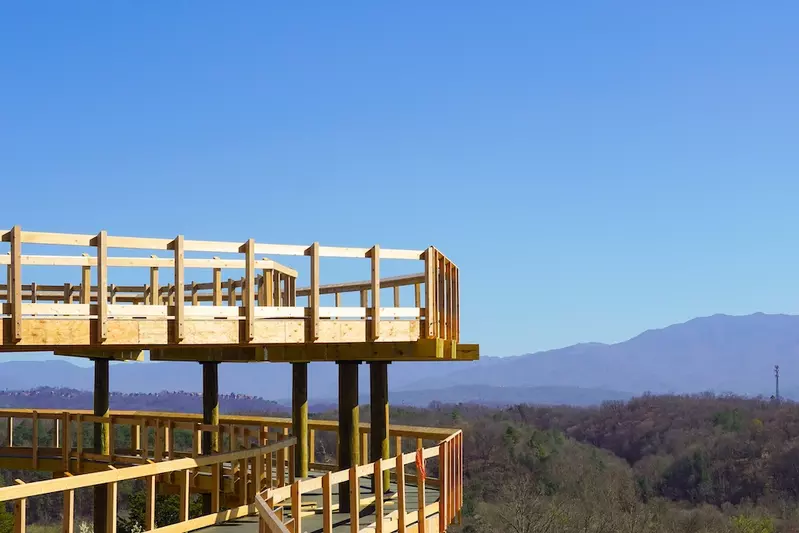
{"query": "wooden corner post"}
[(180, 312), (374, 254), (313, 251), (101, 242), (15, 284), (431, 317)]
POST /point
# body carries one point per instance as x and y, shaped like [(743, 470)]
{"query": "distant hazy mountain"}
[(720, 353)]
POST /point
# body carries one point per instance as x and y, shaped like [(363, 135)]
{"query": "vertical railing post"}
[(217, 286), (400, 467), (313, 300), (296, 506), (111, 507), (10, 431), (20, 511), (441, 295), (378, 490), (374, 254), (101, 242), (431, 317), (86, 283), (68, 520), (355, 500), (35, 439), (327, 503), (149, 504), (248, 294), (420, 490), (180, 311), (443, 490), (15, 284)]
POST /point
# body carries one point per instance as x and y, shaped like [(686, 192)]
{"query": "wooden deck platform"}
[(115, 306)]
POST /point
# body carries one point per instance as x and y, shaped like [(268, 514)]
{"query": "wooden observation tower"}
[(108, 298)]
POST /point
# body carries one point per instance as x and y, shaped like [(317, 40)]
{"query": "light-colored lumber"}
[(101, 242), (374, 255), (15, 284), (430, 293), (314, 296), (179, 298), (249, 292)]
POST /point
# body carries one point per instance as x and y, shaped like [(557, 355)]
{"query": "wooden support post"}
[(396, 296), (441, 306), (34, 292), (20, 512), (86, 284), (311, 446), (15, 286), (327, 503), (68, 520), (420, 498), (101, 442), (68, 299), (276, 287), (217, 286), (299, 417), (348, 423), (296, 506), (67, 438), (231, 292), (355, 500), (378, 403), (185, 486), (269, 291), (35, 439), (210, 439), (378, 490), (400, 469), (248, 292), (101, 242), (10, 431), (313, 299), (443, 489), (180, 311), (149, 504), (155, 294), (374, 254), (111, 507), (430, 315)]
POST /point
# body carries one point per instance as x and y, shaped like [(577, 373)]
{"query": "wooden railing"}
[(152, 437), (57, 443), (266, 291), (254, 473), (428, 517)]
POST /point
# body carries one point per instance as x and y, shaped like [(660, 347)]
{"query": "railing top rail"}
[(48, 486), (431, 433), (145, 243), (353, 286)]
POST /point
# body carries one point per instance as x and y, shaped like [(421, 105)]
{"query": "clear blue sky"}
[(595, 168)]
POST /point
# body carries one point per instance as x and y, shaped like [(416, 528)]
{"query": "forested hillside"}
[(671, 464)]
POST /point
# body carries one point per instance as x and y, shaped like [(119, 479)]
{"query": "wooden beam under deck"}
[(421, 350)]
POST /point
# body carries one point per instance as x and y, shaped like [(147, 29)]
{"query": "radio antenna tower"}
[(777, 382)]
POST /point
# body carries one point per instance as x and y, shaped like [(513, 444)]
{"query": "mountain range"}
[(719, 353)]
